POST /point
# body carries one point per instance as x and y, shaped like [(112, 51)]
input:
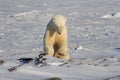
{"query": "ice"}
[(113, 15)]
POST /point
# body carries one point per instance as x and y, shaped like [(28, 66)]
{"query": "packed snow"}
[(93, 38)]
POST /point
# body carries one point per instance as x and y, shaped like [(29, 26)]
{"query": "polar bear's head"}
[(59, 23)]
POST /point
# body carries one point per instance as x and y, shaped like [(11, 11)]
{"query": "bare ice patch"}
[(113, 15), (55, 64), (79, 47)]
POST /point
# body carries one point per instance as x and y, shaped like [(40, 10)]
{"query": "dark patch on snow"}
[(113, 14), (25, 60), (2, 62), (53, 78), (117, 49)]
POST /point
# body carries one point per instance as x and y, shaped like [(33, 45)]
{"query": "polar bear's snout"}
[(59, 31)]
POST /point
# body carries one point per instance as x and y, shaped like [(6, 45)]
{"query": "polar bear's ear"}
[(54, 17)]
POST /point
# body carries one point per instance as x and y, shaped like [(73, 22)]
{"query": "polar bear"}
[(55, 38)]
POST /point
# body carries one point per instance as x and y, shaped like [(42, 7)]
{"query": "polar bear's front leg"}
[(48, 44), (48, 48)]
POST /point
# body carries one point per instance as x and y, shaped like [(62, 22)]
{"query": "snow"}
[(93, 38), (1, 51)]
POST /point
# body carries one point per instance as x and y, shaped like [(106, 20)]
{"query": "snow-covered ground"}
[(93, 33)]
